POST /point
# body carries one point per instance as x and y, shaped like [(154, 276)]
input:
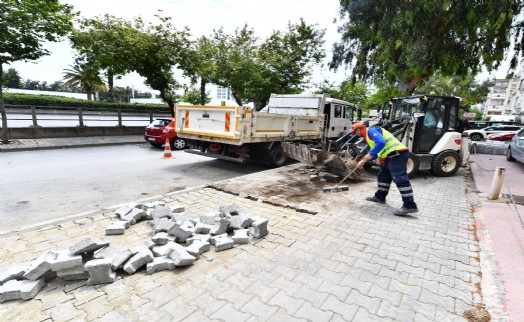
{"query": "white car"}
[(482, 134)]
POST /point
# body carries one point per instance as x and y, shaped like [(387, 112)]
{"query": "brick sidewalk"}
[(353, 260)]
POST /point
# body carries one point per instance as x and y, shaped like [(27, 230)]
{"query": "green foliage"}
[(85, 77), (12, 78), (406, 41), (464, 87), (193, 97), (356, 93), (280, 64), (385, 91), (26, 25), (59, 101)]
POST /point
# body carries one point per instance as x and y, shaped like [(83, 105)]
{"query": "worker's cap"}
[(358, 126)]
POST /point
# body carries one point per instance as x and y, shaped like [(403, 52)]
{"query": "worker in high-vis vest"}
[(393, 157)]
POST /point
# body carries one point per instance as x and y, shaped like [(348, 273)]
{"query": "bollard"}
[(496, 184)]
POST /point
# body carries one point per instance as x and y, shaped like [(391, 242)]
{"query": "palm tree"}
[(86, 78)]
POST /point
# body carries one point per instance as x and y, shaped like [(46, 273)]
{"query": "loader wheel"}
[(277, 157), (445, 164), (413, 165)]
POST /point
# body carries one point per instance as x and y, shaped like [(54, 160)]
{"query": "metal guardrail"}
[(80, 115)]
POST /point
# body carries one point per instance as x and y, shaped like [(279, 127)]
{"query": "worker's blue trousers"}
[(395, 169)]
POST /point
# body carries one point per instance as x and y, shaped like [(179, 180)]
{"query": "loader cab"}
[(339, 117), (427, 118)]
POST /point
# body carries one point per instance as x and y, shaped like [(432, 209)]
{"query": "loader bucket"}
[(332, 161)]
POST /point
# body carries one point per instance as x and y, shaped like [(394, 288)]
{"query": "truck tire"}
[(445, 163), (277, 157), (413, 165), (178, 143)]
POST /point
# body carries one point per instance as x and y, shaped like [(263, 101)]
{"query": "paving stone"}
[(162, 238), (229, 210), (180, 232), (161, 212), (201, 237), (117, 227), (162, 225), (222, 242), (181, 217), (100, 271), (201, 228), (177, 208), (118, 256), (138, 260), (122, 211), (88, 245), (220, 227), (307, 310), (73, 274), (20, 290), (134, 215), (40, 266), (197, 248), (160, 264), (339, 307), (240, 236), (65, 260), (208, 219), (13, 272), (180, 256), (260, 226)]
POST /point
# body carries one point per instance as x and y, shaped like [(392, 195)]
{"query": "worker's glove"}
[(361, 163)]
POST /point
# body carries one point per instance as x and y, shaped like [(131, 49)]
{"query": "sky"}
[(202, 17)]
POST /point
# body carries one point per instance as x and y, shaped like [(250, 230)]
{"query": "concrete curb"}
[(57, 147)]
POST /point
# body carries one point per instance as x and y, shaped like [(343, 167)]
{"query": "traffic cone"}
[(167, 150)]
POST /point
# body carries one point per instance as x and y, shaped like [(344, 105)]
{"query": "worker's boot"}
[(375, 199), (403, 211)]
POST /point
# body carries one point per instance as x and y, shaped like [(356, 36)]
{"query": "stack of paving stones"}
[(179, 239)]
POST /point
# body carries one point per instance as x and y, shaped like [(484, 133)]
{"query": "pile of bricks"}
[(179, 239)]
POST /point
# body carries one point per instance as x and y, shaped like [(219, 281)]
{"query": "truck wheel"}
[(445, 163), (476, 137), (413, 165), (509, 156), (277, 157), (178, 143)]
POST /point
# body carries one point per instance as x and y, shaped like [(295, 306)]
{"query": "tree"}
[(464, 87), (24, 27), (107, 41), (84, 77), (280, 64), (406, 41), (205, 66), (194, 96), (12, 79), (356, 93)]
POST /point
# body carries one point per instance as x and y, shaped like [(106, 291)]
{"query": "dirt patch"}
[(477, 314)]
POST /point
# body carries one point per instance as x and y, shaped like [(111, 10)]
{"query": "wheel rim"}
[(476, 137), (179, 144), (448, 164), (410, 165)]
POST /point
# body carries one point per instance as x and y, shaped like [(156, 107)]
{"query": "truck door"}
[(339, 119)]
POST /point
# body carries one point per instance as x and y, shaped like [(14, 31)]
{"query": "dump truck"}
[(429, 125), (241, 134)]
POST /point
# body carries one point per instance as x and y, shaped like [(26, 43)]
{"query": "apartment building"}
[(503, 97)]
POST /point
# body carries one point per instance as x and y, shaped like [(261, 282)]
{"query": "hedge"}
[(57, 102)]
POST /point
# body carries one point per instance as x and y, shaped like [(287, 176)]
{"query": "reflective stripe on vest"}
[(392, 144)]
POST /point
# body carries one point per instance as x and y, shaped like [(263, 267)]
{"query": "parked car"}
[(515, 150), (161, 129), (501, 136), (473, 125), (482, 134)]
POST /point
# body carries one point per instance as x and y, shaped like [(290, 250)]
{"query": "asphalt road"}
[(42, 185)]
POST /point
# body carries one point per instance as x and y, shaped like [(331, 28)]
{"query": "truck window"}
[(338, 111), (348, 113)]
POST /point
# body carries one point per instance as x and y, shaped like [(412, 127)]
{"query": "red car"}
[(501, 136), (159, 130)]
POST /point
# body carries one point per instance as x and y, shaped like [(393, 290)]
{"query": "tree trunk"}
[(408, 85), (169, 102), (110, 85), (237, 99), (3, 131), (202, 91)]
